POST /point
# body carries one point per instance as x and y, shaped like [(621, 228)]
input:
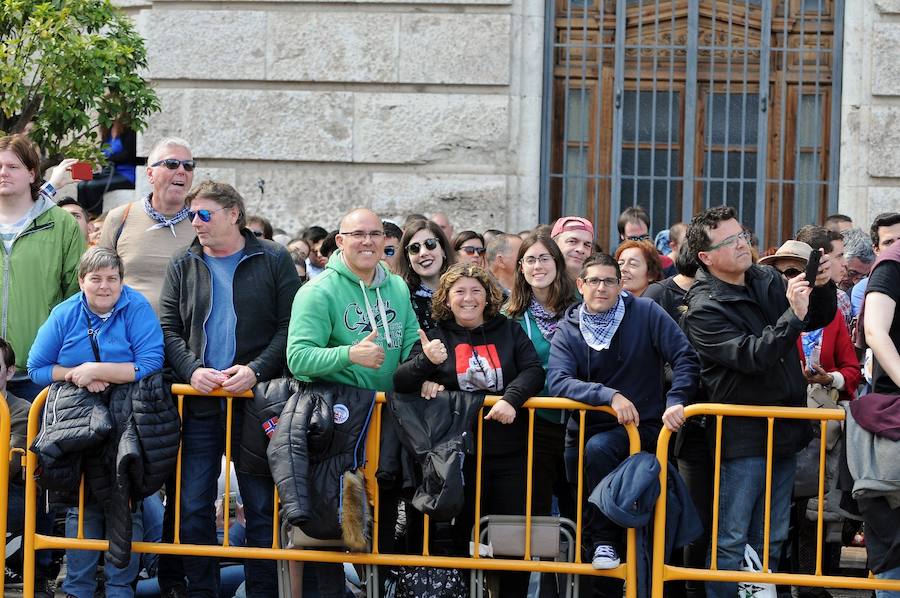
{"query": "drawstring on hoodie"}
[(381, 312)]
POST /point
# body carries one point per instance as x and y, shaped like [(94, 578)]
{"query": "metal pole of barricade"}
[(661, 572), (4, 477), (31, 497)]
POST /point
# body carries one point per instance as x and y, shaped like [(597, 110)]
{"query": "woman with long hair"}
[(425, 254), (539, 298)]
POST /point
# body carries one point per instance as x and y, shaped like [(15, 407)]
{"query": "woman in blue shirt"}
[(106, 334)]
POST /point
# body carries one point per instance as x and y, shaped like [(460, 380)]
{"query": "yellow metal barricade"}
[(626, 571), (662, 572), (4, 477)]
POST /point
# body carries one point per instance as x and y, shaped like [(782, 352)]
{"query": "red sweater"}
[(838, 355)]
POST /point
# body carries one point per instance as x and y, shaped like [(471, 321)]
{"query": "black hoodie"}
[(498, 348)]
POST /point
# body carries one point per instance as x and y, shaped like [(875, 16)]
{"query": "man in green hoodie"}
[(352, 324)]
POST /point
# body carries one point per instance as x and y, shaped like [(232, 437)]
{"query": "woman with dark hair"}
[(425, 254), (669, 293), (475, 348), (640, 265), (539, 298), (469, 247)]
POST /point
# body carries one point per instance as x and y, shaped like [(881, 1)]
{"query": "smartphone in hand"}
[(82, 171), (812, 267)]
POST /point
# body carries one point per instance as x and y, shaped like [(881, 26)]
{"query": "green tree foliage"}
[(68, 67)]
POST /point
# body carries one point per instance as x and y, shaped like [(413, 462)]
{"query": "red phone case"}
[(82, 171)]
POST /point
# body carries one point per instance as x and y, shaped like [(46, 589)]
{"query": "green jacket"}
[(542, 346), (40, 271), (330, 314)]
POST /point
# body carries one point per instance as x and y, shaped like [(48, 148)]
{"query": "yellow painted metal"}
[(661, 573), (479, 440), (821, 495), (28, 536), (177, 535), (80, 533), (226, 499), (4, 476), (529, 480), (579, 491), (767, 511), (717, 480)]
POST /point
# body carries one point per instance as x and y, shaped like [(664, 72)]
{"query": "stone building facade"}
[(431, 105)]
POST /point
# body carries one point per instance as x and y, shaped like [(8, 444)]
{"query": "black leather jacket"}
[(320, 435), (747, 341)]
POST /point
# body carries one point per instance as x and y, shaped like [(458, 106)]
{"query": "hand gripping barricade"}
[(530, 529), (663, 572)]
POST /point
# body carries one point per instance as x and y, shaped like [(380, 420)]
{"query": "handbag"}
[(752, 589), (430, 582), (819, 397)]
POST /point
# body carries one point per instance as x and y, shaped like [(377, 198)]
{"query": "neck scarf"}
[(162, 221), (546, 321), (424, 292), (598, 329)]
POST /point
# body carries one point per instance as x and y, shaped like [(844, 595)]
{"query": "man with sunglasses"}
[(601, 354), (744, 321), (148, 232), (225, 306)]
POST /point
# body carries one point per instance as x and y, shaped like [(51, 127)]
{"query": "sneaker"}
[(605, 557), (43, 588)]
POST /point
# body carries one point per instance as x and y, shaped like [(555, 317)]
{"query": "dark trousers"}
[(548, 478), (90, 193)]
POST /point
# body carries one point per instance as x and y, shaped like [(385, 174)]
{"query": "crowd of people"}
[(315, 324)]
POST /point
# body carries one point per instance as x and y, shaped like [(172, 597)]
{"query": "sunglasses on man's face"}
[(206, 215), (389, 250), (472, 250), (430, 244), (173, 164)]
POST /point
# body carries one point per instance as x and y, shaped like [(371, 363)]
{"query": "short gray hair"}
[(97, 258), (164, 143), (498, 245), (857, 244)]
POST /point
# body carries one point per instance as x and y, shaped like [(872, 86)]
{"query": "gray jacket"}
[(873, 463)]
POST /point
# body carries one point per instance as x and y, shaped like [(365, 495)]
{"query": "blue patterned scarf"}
[(598, 329), (162, 221), (545, 320)]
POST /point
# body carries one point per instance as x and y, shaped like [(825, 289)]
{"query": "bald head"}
[(352, 218), (361, 239)]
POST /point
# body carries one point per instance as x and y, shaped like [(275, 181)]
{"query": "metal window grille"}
[(679, 105)]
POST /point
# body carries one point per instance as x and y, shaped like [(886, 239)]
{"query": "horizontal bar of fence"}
[(626, 571), (662, 572)]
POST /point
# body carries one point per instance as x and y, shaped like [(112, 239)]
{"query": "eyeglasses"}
[(390, 250), (732, 241), (638, 238), (791, 272), (472, 250), (544, 259), (855, 274), (359, 235), (593, 282), (173, 164), (414, 248), (206, 216)]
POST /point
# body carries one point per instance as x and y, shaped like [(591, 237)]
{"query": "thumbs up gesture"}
[(434, 350), (367, 353)]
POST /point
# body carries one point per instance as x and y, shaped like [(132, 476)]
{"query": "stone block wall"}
[(401, 105), (870, 119)]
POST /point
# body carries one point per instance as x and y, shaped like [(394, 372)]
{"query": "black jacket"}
[(265, 284), (506, 348), (439, 433), (261, 414), (747, 341), (320, 435), (126, 441)]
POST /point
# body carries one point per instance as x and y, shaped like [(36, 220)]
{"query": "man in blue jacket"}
[(610, 350)]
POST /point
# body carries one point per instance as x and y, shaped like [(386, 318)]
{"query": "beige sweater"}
[(145, 253)]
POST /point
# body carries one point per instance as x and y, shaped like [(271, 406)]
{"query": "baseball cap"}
[(570, 223)]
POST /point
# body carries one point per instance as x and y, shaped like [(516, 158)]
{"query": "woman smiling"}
[(425, 254)]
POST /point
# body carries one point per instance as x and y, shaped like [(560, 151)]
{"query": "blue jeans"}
[(742, 489), (81, 568), (258, 494), (889, 574), (153, 510)]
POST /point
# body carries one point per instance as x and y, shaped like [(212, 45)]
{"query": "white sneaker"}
[(605, 557)]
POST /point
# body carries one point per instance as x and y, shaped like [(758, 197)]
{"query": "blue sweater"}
[(646, 339), (130, 335)]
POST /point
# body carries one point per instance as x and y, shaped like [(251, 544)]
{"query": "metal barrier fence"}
[(4, 477), (626, 571), (662, 572)]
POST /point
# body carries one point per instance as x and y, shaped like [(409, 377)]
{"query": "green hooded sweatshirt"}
[(331, 313)]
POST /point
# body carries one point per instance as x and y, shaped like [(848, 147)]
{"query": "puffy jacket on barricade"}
[(439, 433), (320, 436), (261, 416), (747, 341), (126, 441)]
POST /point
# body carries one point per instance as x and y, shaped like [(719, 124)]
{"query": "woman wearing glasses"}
[(425, 255), (469, 247), (474, 348), (640, 266), (540, 295)]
